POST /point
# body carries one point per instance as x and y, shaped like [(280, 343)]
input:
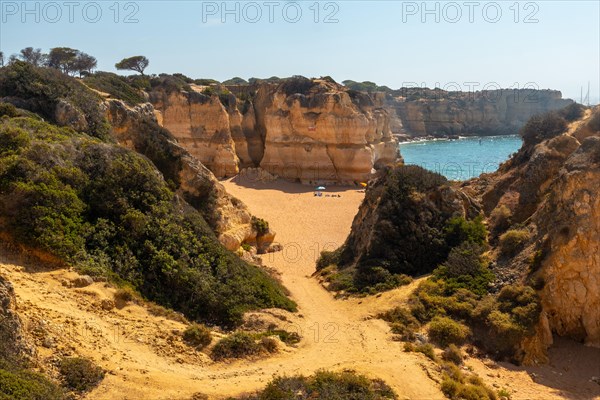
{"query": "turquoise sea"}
[(461, 159)]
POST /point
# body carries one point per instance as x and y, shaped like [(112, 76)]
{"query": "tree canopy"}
[(135, 63)]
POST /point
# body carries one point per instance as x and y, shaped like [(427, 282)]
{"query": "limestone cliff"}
[(203, 126), (424, 112), (301, 129), (551, 189), (316, 131)]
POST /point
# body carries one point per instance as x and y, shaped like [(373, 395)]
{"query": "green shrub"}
[(260, 226), (7, 109), (513, 241), (328, 258), (542, 127), (459, 230), (125, 295), (453, 354), (246, 247), (402, 322), (426, 349), (326, 385), (80, 374), (237, 345), (445, 331), (25, 385), (197, 335), (285, 336), (507, 319), (465, 269)]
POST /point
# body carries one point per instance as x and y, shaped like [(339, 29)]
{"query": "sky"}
[(462, 45)]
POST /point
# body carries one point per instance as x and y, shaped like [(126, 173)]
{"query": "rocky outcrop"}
[(400, 224), (13, 347), (424, 112), (552, 190), (301, 129), (137, 129)]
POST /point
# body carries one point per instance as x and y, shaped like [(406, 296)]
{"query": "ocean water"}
[(462, 158)]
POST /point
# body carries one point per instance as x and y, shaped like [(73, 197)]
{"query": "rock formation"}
[(424, 112), (316, 131), (301, 129), (551, 188), (14, 349)]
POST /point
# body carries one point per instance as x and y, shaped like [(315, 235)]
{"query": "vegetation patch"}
[(513, 241), (27, 385), (345, 385), (117, 86), (107, 211), (197, 335), (80, 374)]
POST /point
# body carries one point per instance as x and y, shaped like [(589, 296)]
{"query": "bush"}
[(260, 226), (465, 269), (501, 218), (453, 354), (513, 241), (326, 385), (573, 112), (328, 258), (426, 349), (542, 127), (237, 345), (445, 331), (125, 295), (402, 322), (25, 385), (7, 109), (197, 335), (459, 230), (41, 89), (80, 374)]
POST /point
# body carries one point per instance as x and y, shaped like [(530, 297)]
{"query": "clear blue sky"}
[(386, 42)]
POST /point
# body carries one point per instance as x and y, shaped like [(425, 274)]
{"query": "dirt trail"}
[(146, 358)]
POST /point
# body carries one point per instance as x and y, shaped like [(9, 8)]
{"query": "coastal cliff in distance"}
[(421, 112), (314, 131)]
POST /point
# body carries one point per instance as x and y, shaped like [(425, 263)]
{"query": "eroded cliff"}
[(301, 129), (550, 191), (425, 112)]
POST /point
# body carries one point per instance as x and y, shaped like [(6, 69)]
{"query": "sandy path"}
[(146, 359)]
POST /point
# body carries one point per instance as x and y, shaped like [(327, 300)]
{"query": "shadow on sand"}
[(290, 187), (573, 370)]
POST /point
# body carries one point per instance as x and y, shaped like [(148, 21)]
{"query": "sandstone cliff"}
[(301, 129), (551, 190), (316, 131), (425, 112)]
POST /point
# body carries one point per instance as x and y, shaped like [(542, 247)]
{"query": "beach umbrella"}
[(321, 188), (363, 184)]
